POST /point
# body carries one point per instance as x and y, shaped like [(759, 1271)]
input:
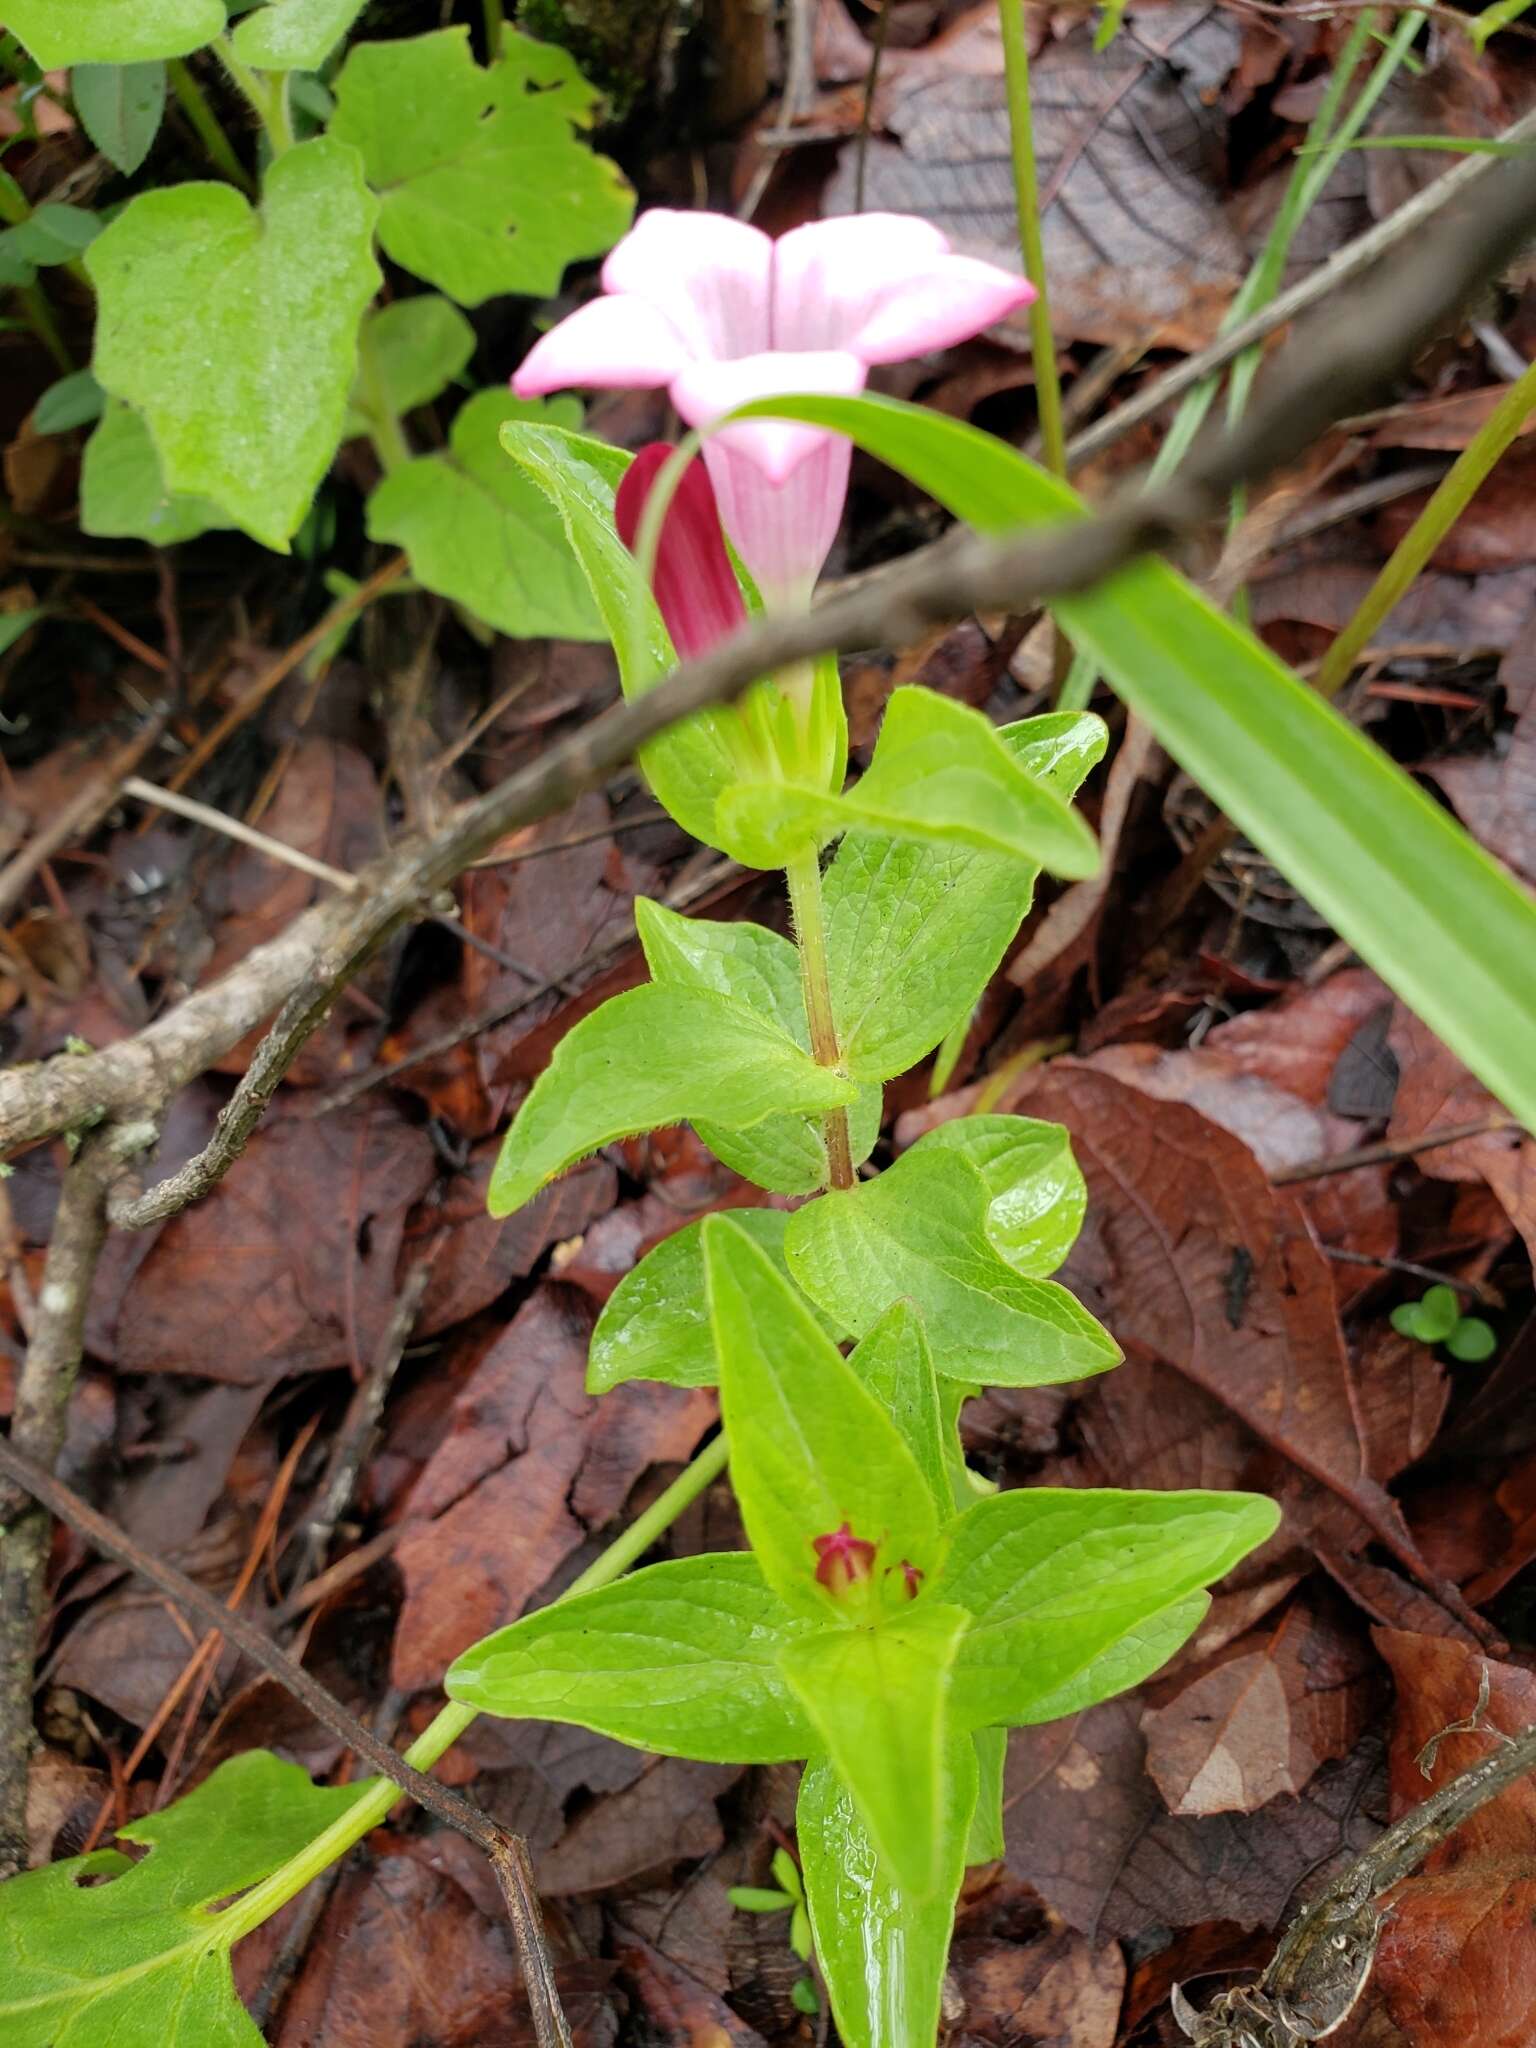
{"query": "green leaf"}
[(679, 1658), (803, 1994), (652, 1057), (60, 32), (811, 1447), (919, 1233), (915, 932), (234, 332), (414, 350), (1079, 1593), (293, 35), (1471, 1341), (478, 532), (882, 1951), (139, 1962), (1438, 1313), (940, 775), (72, 402), (54, 233), (688, 766), (761, 969), (655, 1324), (895, 1364), (1449, 929), (122, 492), (985, 1844), (1038, 1196), (120, 107), (751, 1898), (14, 624), (878, 1698), (486, 186)]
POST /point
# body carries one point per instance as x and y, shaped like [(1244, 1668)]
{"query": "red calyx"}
[(844, 1560), (695, 585)]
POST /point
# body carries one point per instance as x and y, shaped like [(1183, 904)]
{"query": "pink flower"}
[(696, 588), (719, 314)]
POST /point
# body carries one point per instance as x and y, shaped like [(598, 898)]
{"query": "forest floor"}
[(1260, 1123)]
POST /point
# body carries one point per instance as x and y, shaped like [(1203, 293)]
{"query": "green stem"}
[(267, 96), (493, 28), (384, 428), (1026, 185), (194, 103), (1450, 499), (375, 1800), (803, 874), (39, 317)]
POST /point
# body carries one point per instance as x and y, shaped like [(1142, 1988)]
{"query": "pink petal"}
[(704, 392), (782, 531), (617, 344), (827, 274), (695, 585), (956, 299), (707, 274)]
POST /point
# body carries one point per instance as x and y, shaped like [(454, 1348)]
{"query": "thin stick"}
[(236, 828), (1389, 1150)]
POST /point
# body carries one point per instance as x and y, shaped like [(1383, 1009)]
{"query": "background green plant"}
[(241, 336)]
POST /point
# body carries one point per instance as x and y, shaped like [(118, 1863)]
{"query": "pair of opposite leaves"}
[(892, 1680)]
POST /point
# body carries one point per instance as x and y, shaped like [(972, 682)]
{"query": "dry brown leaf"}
[(1260, 1720), (531, 1464), (1136, 237)]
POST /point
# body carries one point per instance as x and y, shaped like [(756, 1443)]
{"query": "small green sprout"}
[(790, 1898), (1437, 1319)]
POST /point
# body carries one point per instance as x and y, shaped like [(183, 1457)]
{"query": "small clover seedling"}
[(1437, 1319), (789, 1899)]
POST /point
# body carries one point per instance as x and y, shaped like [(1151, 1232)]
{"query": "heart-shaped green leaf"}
[(122, 493), (487, 187), (411, 351), (479, 532), (1038, 1194), (139, 1961), (233, 333), (60, 32)]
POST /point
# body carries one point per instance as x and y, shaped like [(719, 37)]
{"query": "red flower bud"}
[(845, 1560)]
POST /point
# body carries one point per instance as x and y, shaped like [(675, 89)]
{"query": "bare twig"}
[(508, 1854), (236, 828), (363, 1411), (1390, 1149), (78, 818), (37, 1429)]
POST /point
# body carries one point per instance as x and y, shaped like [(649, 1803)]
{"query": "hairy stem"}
[(376, 1798), (209, 130), (804, 876), (1451, 498), (267, 96)]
